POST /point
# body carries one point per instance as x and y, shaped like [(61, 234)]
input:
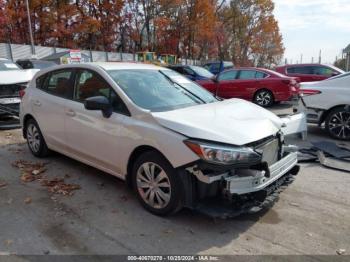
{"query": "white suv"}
[(176, 144)]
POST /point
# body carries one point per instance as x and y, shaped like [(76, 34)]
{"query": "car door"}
[(91, 137), (226, 84), (244, 84), (48, 102)]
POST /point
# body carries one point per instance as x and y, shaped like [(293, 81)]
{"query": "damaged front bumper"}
[(250, 180), (238, 191)]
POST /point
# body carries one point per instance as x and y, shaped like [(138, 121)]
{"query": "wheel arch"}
[(134, 155), (326, 112)]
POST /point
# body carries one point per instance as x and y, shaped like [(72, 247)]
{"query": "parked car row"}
[(261, 86)]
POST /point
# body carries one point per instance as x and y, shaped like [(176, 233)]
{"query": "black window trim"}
[(77, 69)]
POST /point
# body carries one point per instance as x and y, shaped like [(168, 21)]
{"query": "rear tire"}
[(337, 123), (35, 139), (264, 98), (157, 184)]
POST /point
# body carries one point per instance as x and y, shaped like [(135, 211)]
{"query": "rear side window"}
[(59, 83), (40, 81), (306, 70), (322, 70), (247, 74), (260, 75), (89, 84), (228, 75)]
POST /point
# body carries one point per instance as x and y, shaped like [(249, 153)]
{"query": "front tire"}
[(264, 98), (338, 123), (35, 139), (157, 185)]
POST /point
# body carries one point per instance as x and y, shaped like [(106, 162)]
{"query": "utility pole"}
[(30, 29), (301, 58), (319, 57), (312, 60)]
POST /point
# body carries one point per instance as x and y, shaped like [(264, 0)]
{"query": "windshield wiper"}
[(184, 88)]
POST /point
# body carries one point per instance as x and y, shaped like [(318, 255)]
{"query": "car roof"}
[(125, 65)]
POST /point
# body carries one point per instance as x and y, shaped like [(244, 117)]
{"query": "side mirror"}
[(99, 103)]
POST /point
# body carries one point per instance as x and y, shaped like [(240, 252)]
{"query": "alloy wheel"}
[(153, 185), (263, 98), (339, 124), (33, 137)]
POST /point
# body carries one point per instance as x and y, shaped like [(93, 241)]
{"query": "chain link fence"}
[(16, 51)]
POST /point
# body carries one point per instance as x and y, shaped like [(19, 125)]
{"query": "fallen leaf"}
[(294, 204), (38, 171), (341, 251), (3, 184), (28, 200), (168, 231), (58, 186)]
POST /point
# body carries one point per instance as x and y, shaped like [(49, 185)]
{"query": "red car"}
[(309, 72), (262, 86)]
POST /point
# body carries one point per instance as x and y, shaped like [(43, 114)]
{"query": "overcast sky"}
[(310, 25)]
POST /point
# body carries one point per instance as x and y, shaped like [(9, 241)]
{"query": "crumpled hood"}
[(232, 121), (17, 76)]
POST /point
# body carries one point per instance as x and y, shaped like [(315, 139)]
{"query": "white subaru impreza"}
[(171, 140)]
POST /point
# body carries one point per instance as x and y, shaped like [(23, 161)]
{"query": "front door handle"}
[(70, 112), (37, 103)]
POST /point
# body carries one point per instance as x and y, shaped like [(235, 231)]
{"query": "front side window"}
[(160, 90), (247, 74), (260, 75), (60, 83), (89, 84), (228, 75)]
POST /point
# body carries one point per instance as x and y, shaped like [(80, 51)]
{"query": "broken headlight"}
[(227, 155)]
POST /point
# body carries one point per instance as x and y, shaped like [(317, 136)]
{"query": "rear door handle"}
[(37, 103), (70, 112)]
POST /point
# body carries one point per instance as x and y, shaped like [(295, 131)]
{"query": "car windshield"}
[(202, 71), (8, 65), (160, 90)]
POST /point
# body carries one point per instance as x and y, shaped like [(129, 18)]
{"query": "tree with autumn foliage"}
[(244, 31), (252, 35)]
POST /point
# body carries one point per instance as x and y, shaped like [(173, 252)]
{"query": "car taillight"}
[(21, 93), (309, 92)]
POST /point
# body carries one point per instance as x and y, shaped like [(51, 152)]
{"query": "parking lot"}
[(311, 217)]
